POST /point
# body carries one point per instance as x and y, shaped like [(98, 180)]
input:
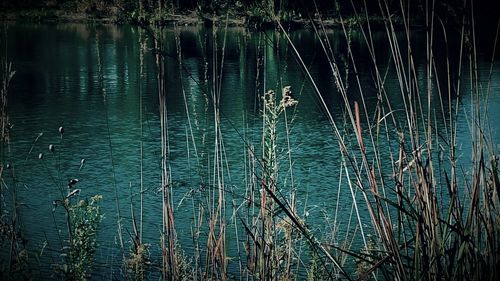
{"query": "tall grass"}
[(13, 257), (138, 260), (417, 238), (410, 235), (168, 236), (431, 214)]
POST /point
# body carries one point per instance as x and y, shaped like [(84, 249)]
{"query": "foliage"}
[(137, 262), (84, 217), (153, 12)]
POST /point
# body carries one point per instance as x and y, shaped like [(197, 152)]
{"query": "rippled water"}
[(88, 79)]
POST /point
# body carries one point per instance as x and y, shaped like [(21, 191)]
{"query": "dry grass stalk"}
[(168, 236)]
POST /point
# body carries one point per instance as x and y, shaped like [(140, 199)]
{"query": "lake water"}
[(88, 78)]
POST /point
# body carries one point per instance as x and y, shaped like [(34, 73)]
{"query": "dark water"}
[(88, 79)]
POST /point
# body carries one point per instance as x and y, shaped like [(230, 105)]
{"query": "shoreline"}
[(188, 18)]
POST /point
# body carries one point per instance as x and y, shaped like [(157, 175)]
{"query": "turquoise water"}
[(89, 79)]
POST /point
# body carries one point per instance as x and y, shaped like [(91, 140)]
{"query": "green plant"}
[(275, 234), (137, 262), (85, 217), (82, 220)]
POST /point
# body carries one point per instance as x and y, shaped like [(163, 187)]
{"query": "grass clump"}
[(137, 262)]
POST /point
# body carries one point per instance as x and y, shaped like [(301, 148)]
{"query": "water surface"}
[(96, 82)]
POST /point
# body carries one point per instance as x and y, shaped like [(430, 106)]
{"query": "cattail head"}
[(40, 156), (72, 182), (51, 147), (82, 162), (61, 130), (73, 193)]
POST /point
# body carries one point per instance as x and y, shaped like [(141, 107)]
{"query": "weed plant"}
[(82, 219)]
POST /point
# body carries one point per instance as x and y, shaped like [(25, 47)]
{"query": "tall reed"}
[(103, 92), (138, 259), (416, 237), (168, 236), (14, 258)]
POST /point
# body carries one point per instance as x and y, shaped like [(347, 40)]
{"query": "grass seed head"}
[(287, 99)]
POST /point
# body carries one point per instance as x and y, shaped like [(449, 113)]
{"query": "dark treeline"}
[(449, 12), (302, 7)]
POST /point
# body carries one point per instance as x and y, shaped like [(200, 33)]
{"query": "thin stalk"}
[(168, 241), (142, 46), (110, 144)]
